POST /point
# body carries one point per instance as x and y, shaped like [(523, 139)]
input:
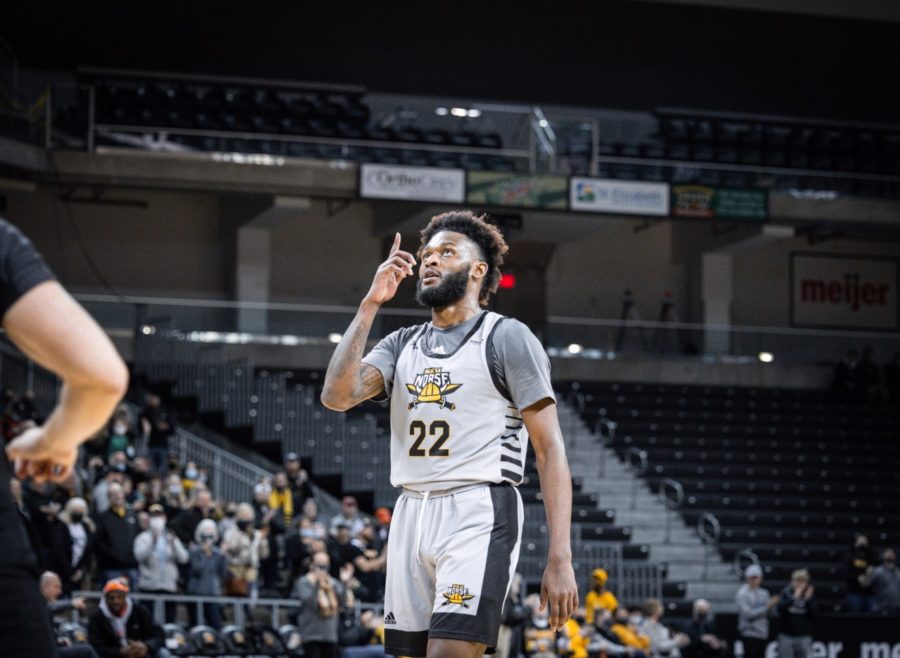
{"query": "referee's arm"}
[(558, 589), (54, 331)]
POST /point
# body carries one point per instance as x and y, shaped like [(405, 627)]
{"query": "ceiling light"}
[(459, 111), (441, 111), (474, 113), (334, 338), (765, 357), (574, 348), (543, 123)]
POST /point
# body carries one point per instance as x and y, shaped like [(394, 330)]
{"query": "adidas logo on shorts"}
[(389, 618)]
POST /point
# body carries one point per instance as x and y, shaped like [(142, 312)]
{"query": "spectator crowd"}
[(132, 519)]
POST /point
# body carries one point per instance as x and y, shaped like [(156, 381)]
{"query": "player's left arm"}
[(558, 588)]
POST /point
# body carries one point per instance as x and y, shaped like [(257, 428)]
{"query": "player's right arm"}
[(349, 381), (54, 331)]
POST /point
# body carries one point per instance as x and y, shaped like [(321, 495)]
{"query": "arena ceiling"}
[(836, 62)]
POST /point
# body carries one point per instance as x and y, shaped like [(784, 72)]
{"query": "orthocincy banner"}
[(412, 183), (830, 290), (615, 196)]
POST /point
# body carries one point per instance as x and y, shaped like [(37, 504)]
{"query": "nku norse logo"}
[(457, 594), (432, 386)]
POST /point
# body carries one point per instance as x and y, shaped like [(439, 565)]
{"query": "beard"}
[(450, 290)]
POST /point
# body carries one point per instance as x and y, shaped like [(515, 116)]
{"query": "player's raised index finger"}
[(396, 245)]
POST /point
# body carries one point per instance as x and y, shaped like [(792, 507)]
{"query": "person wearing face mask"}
[(81, 534), (627, 632), (281, 498), (705, 640), (206, 572), (858, 566), (158, 551), (201, 507), (886, 584), (116, 530), (538, 638), (244, 547), (604, 641), (121, 432)]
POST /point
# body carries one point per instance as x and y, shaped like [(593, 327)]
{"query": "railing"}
[(231, 478), (557, 142), (637, 459), (290, 325), (671, 494), (710, 530), (21, 374), (640, 582), (743, 559), (605, 430), (278, 608)]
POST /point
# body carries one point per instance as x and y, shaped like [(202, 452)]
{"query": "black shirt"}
[(21, 266)]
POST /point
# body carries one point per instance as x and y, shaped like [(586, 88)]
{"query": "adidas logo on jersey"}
[(389, 618)]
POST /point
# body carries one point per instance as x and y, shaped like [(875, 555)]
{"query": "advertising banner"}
[(411, 183), (705, 201), (615, 196), (497, 188), (829, 290), (834, 636)]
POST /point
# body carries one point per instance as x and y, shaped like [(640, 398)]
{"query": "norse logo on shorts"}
[(432, 386), (457, 594)]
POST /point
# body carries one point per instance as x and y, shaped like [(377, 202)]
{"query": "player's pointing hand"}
[(390, 273)]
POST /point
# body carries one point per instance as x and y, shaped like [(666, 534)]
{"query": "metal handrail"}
[(605, 423), (325, 141), (637, 459), (744, 555), (239, 604), (672, 503), (605, 440), (711, 535), (709, 529)]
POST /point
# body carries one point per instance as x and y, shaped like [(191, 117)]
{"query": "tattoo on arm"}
[(348, 381)]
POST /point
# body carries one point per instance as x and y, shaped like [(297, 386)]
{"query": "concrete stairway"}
[(621, 490)]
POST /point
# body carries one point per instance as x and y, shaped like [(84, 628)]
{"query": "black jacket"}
[(114, 540), (140, 627), (797, 615)]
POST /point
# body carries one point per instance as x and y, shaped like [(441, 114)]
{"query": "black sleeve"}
[(21, 266)]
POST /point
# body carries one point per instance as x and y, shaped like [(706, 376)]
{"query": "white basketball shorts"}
[(451, 558)]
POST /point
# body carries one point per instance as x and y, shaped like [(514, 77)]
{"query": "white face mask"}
[(158, 523)]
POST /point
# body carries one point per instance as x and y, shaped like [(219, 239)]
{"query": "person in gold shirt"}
[(628, 633), (574, 636), (599, 598)]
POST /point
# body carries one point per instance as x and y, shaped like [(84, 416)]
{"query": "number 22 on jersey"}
[(439, 430)]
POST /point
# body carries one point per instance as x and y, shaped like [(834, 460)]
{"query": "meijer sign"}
[(836, 291), (412, 183)]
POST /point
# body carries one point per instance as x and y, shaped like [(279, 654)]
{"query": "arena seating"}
[(349, 453), (789, 474), (797, 153), (270, 118)]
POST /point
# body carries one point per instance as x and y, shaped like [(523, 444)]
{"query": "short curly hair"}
[(487, 236)]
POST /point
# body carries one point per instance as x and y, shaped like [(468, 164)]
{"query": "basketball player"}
[(53, 330), (467, 390)]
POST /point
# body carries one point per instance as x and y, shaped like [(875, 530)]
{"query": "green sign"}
[(704, 201), (495, 188)]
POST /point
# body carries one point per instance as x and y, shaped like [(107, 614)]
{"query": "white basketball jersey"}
[(450, 425)]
